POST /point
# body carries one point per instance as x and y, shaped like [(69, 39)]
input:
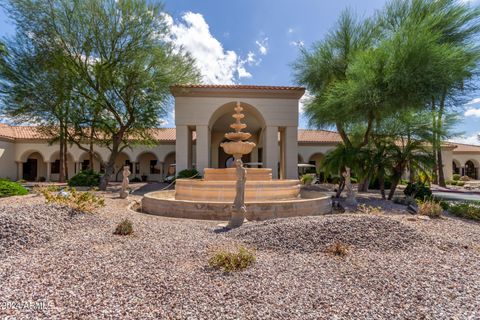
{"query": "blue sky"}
[(255, 41)]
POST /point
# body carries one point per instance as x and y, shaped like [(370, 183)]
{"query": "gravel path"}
[(399, 267)]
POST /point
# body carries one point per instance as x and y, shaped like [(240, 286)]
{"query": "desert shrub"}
[(406, 201), (430, 208), (124, 228), (338, 248), (456, 177), (10, 188), (403, 182), (189, 173), (82, 201), (232, 259), (42, 179), (86, 178), (418, 190), (466, 209), (363, 208), (454, 182), (460, 183), (307, 179), (464, 178), (448, 182)]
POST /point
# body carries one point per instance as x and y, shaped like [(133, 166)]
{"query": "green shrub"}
[(232, 259), (9, 188), (307, 179), (83, 201), (466, 209), (448, 182), (430, 208), (42, 179), (464, 178), (456, 177), (460, 183), (124, 228), (418, 190), (375, 184), (454, 182), (86, 178), (354, 180), (403, 182), (189, 173)]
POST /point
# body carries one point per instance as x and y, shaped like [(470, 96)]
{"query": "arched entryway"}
[(33, 167), (316, 159), (149, 167), (85, 163), (53, 167), (456, 166), (470, 169), (122, 160), (169, 169)]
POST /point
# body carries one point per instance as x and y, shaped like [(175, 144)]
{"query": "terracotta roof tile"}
[(237, 86), (318, 136), (461, 147)]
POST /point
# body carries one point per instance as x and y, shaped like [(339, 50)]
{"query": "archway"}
[(316, 159), (122, 160), (54, 160), (84, 162), (149, 167), (219, 124), (34, 167), (169, 169), (470, 169), (456, 166)]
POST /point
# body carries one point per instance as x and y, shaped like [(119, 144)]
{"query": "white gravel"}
[(399, 268)]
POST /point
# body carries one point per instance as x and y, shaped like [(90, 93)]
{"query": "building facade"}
[(203, 114)]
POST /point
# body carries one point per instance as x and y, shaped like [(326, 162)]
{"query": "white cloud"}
[(307, 97), (290, 30), (298, 43), (262, 46), (217, 65), (472, 112), (473, 101), (473, 139)]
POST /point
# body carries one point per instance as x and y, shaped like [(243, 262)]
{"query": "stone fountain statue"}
[(238, 147), (126, 173)]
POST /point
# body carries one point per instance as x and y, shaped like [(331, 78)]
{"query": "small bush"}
[(86, 178), (353, 180), (82, 201), (232, 259), (124, 228), (363, 208), (448, 182), (466, 209), (406, 201), (418, 190), (307, 179), (456, 177), (460, 183), (375, 183), (430, 208), (454, 182), (189, 173), (42, 179), (9, 188), (403, 182), (338, 248), (464, 178)]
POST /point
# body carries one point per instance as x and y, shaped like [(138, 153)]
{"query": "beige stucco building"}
[(202, 116)]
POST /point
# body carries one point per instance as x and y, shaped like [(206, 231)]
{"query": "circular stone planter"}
[(163, 203)]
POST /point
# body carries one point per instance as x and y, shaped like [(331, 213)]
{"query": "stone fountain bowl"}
[(237, 136), (212, 200), (237, 147)]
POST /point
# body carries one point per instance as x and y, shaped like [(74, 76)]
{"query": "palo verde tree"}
[(116, 53)]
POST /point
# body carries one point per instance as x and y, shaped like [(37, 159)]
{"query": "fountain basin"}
[(163, 203), (230, 174), (224, 191)]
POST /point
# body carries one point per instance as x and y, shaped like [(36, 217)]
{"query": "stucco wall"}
[(8, 167)]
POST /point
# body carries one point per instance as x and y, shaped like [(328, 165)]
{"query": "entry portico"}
[(271, 114)]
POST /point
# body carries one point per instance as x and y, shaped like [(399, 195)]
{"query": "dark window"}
[(85, 165), (129, 164), (153, 168), (55, 169)]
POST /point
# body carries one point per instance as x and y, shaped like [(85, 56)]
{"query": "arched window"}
[(470, 170)]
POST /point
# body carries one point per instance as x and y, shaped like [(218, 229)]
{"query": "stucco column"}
[(271, 150), (202, 149), (291, 153), (49, 170), (183, 148), (19, 170), (134, 169)]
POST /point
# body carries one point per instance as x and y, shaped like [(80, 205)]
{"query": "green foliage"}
[(460, 183), (466, 209), (430, 208), (9, 188), (83, 201), (456, 177), (307, 179), (86, 178), (124, 228), (375, 184), (418, 190), (189, 174), (232, 259), (449, 182), (454, 183)]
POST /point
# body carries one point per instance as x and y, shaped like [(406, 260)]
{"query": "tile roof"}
[(318, 136), (237, 86), (461, 147)]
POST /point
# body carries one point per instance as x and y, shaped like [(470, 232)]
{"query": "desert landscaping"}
[(64, 264)]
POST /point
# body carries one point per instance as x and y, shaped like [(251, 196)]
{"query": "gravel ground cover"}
[(399, 267)]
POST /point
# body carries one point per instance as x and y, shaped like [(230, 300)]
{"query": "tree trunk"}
[(411, 176), (434, 142), (441, 175), (341, 186), (65, 155), (61, 173), (90, 152), (381, 181), (397, 175), (110, 165), (363, 185)]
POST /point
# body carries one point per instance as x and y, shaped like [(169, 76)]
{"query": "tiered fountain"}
[(251, 190)]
